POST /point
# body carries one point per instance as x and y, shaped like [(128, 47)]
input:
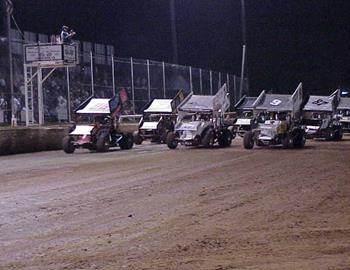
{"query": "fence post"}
[(191, 86), (40, 96), (92, 74), (164, 94), (32, 97), (113, 78), (68, 95), (234, 87), (242, 72), (200, 81), (10, 62), (26, 93), (228, 83), (148, 81), (132, 83), (211, 82)]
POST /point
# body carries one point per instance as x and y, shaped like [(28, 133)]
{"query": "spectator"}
[(3, 107), (17, 107), (66, 37), (64, 34), (62, 114)]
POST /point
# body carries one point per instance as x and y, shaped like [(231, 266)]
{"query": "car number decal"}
[(275, 102)]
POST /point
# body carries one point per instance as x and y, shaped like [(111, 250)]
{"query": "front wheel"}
[(248, 140), (68, 145), (171, 140), (137, 138), (208, 138), (299, 141), (126, 142), (225, 138), (103, 143), (287, 141), (330, 136), (229, 138), (338, 135)]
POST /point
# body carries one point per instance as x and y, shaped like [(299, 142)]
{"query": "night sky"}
[(287, 41)]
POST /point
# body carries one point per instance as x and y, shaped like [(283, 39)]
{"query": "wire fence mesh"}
[(102, 75)]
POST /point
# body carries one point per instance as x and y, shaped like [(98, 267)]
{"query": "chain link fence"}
[(102, 75)]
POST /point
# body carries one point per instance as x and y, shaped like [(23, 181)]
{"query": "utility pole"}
[(244, 46), (173, 31), (9, 10), (243, 22)]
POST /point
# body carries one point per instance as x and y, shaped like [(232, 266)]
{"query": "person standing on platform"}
[(66, 36)]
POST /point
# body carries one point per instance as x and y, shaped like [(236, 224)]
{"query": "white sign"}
[(35, 53), (69, 52), (32, 53), (50, 52)]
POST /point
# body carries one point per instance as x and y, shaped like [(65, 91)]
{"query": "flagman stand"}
[(41, 56)]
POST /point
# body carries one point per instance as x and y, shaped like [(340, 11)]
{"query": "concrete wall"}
[(31, 139)]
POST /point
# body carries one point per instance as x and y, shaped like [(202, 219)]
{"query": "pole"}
[(113, 78), (243, 22), (211, 82), (242, 72), (92, 74), (68, 94), (191, 86), (173, 31), (244, 39), (31, 95), (132, 83), (234, 87), (228, 82), (26, 93), (200, 81), (219, 80), (148, 81), (228, 88), (40, 96), (164, 94), (9, 39)]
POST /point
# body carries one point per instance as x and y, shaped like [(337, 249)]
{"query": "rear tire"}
[(163, 136), (68, 145), (103, 143), (126, 142), (171, 140), (248, 140), (137, 138)]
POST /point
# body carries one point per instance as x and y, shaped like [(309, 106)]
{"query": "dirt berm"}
[(31, 139)]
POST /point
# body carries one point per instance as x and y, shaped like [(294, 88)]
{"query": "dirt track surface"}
[(154, 208)]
